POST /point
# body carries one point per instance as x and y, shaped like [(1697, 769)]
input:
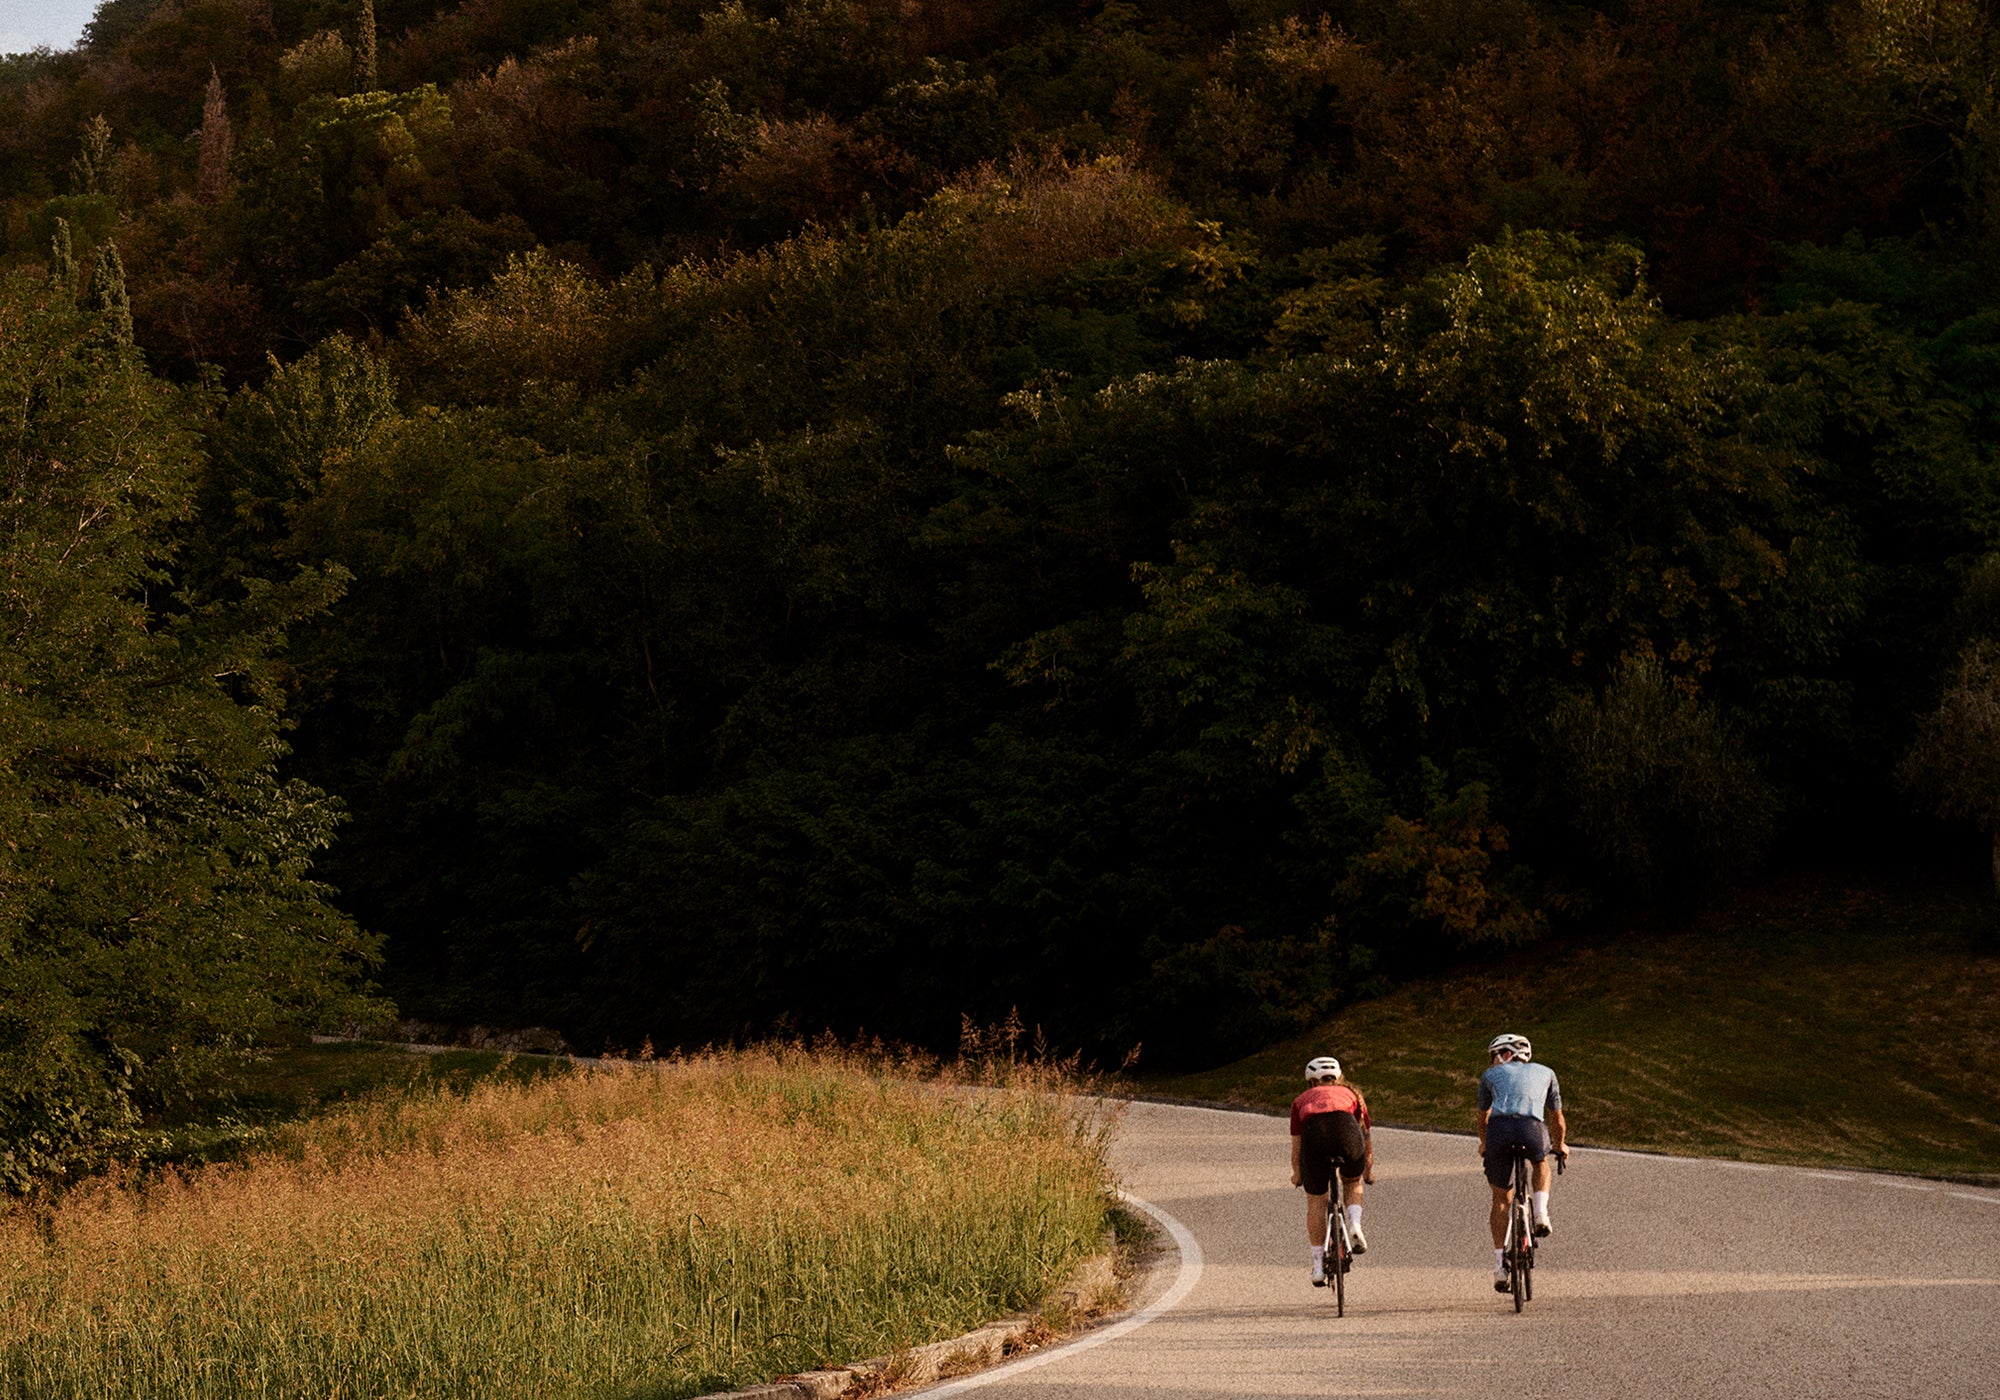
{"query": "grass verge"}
[(291, 1082), (635, 1231), (297, 1080), (1810, 1022)]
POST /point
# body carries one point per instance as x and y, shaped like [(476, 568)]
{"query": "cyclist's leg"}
[(1351, 1193), (1316, 1236), (1316, 1175), (1544, 1177), (1350, 1145), (1499, 1161), (1318, 1155), (1351, 1208), (1503, 1197)]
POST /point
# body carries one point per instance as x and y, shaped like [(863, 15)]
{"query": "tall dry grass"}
[(649, 1230)]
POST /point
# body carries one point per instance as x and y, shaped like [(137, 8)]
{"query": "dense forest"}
[(681, 519)]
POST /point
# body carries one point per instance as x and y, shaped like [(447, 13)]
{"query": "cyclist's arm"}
[(1485, 1109), (1367, 1142), (1560, 1136), (1297, 1179)]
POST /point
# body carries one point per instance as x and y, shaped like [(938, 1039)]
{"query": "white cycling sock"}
[(1319, 1253), (1354, 1217), (1541, 1200), (1499, 1258)]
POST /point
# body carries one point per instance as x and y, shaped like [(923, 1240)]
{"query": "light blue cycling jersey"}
[(1517, 1089)]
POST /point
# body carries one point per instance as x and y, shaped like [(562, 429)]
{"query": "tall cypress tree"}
[(364, 48), (62, 259), (107, 294), (88, 169), (218, 139)]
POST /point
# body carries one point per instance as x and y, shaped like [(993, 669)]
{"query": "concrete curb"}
[(1088, 1284)]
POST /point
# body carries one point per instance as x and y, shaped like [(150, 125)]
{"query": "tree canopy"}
[(796, 513), (158, 914)]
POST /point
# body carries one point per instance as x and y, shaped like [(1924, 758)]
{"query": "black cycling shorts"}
[(1502, 1134), (1327, 1140)]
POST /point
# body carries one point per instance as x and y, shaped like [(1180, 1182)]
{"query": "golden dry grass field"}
[(641, 1230)]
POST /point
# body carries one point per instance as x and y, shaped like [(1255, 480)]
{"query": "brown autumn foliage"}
[(619, 134)]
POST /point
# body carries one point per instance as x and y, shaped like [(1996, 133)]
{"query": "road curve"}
[(1666, 1277)]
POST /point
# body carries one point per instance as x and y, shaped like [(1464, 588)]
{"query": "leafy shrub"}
[(1954, 760), (1657, 787)]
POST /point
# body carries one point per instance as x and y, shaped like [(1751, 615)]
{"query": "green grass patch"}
[(297, 1080), (641, 1230), (289, 1083), (1809, 1022)]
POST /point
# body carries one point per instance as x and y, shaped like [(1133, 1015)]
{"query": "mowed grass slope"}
[(632, 1231), (1808, 1022)]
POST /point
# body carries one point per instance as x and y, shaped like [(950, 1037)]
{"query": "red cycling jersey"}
[(1327, 1098)]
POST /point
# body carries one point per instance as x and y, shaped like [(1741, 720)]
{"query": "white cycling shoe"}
[(1501, 1283), (1319, 1273), (1542, 1226), (1357, 1241)]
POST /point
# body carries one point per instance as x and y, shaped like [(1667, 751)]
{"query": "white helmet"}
[(1517, 1043), (1322, 1067)]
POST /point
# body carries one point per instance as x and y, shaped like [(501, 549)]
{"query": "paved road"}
[(1787, 1284)]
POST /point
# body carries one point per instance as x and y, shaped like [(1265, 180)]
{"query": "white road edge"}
[(1184, 1282)]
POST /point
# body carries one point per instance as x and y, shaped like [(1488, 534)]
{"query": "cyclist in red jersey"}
[(1330, 1131)]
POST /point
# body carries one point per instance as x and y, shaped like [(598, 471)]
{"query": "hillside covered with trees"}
[(851, 512)]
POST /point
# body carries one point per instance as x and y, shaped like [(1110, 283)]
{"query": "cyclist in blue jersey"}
[(1515, 1094)]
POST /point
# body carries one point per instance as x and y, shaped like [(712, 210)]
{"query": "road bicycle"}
[(1339, 1246), (1521, 1245)]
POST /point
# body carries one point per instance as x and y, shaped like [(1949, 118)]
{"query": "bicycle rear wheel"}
[(1528, 1242), (1517, 1262), (1335, 1283), (1340, 1274)]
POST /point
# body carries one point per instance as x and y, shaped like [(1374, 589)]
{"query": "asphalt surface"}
[(1665, 1277)]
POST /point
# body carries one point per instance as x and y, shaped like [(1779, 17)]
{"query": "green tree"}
[(158, 914), (1954, 761), (364, 47), (1657, 786), (108, 297), (63, 271), (218, 141), (88, 170), (1287, 592)]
